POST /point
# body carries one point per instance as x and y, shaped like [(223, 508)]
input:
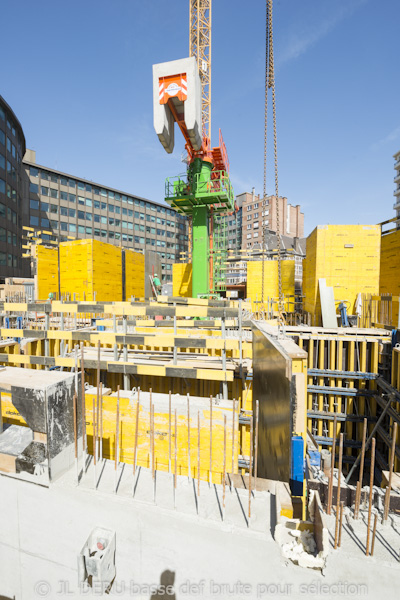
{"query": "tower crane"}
[(200, 48), (182, 95)]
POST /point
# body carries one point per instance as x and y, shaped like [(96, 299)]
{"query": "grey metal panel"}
[(271, 387), (328, 308)]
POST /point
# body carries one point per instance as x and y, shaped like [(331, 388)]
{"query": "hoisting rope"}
[(270, 83)]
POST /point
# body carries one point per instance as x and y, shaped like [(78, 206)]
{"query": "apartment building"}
[(396, 192), (255, 217)]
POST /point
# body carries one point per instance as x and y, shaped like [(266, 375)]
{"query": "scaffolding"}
[(219, 253)]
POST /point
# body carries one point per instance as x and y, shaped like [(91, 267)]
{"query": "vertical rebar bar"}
[(116, 461), (361, 475), (391, 465), (210, 473), (338, 489), (330, 484), (371, 492)]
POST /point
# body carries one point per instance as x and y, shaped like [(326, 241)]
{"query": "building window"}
[(63, 226), (53, 193), (63, 211), (71, 183), (44, 190), (44, 206), (34, 221), (45, 222), (33, 188), (81, 185)]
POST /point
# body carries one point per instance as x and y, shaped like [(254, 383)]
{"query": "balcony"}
[(397, 191)]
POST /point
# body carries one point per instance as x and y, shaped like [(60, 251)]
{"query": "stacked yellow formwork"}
[(390, 264), (182, 280), (89, 270), (134, 274), (348, 258), (271, 284), (46, 276)]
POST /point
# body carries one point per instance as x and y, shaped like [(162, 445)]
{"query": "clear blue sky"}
[(78, 76)]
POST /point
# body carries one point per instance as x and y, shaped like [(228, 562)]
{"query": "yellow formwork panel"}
[(348, 258), (46, 271), (395, 383), (89, 268), (271, 287), (182, 280), (390, 264), (134, 274), (189, 446)]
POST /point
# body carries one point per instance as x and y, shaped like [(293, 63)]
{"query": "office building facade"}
[(66, 206), (12, 193)]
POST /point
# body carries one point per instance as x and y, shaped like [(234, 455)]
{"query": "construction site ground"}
[(44, 529)]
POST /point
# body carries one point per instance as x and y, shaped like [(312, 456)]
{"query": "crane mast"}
[(200, 48)]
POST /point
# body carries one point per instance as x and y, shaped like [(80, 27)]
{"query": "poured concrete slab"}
[(206, 557)]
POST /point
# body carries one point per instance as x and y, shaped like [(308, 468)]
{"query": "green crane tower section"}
[(205, 190)]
